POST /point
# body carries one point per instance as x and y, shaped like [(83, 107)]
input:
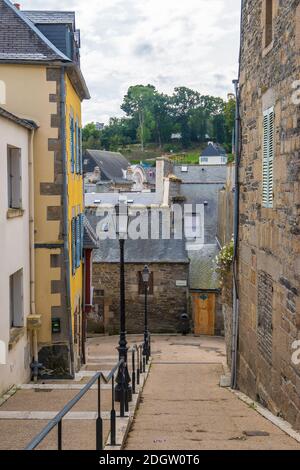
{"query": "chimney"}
[(18, 6)]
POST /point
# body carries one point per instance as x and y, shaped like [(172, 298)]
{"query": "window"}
[(142, 285), (204, 159), (268, 22), (72, 146), (14, 178), (77, 229), (268, 157), (16, 300)]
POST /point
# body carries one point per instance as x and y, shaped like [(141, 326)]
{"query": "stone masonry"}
[(166, 304), (269, 247)]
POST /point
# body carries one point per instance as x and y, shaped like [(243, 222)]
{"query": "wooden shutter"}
[(81, 235), (80, 152), (77, 148), (268, 157), (78, 240), (73, 247), (72, 143)]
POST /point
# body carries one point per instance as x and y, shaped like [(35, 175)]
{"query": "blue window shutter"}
[(78, 239), (72, 143), (80, 152), (81, 235), (73, 247), (77, 147)]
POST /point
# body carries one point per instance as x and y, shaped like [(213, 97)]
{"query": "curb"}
[(278, 422)]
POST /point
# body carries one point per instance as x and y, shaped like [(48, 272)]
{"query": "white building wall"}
[(213, 160), (14, 242)]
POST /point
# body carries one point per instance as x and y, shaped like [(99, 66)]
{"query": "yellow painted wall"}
[(75, 193), (28, 91), (27, 96)]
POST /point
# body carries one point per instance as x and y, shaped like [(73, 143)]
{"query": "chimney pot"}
[(18, 6)]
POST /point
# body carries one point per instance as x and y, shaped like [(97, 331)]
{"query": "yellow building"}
[(42, 81)]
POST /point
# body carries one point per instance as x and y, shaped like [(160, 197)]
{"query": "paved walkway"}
[(183, 407), (27, 412)]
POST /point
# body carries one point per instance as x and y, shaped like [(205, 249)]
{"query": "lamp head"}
[(146, 274)]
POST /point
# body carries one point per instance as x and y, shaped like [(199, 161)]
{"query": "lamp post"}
[(123, 374), (146, 346)]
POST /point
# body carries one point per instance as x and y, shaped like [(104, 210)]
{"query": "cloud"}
[(166, 43)]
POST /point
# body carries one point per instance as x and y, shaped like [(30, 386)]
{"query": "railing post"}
[(99, 422), (141, 358), (138, 366), (133, 371), (59, 435), (122, 397), (113, 415), (144, 364)]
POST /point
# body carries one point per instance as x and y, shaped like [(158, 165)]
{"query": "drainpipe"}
[(34, 332), (235, 315), (66, 215)]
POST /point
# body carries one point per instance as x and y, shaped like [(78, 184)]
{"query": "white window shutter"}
[(268, 157)]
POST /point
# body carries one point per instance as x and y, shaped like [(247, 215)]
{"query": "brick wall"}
[(269, 249), (166, 304)]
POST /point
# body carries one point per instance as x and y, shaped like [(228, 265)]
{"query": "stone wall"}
[(166, 304), (269, 249)]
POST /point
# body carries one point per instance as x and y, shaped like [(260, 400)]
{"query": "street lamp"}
[(146, 346), (123, 377)]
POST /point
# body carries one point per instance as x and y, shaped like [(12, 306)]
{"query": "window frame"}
[(14, 188)]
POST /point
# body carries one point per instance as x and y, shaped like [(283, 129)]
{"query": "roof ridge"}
[(35, 30)]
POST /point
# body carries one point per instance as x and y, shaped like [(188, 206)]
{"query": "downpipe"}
[(235, 319)]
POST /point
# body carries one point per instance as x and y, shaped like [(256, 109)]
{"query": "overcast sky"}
[(167, 43)]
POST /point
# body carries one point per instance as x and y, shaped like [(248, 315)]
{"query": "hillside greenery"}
[(156, 123)]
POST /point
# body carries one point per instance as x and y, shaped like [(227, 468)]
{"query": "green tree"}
[(229, 115), (91, 137), (137, 103)]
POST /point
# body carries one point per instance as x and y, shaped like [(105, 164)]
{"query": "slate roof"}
[(138, 251), (90, 239), (201, 174), (111, 164), (22, 122), (144, 199), (50, 17), (21, 40), (213, 150), (202, 268)]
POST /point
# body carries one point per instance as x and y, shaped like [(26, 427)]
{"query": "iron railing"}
[(138, 368)]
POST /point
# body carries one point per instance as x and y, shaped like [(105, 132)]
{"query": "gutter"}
[(235, 315), (66, 217)]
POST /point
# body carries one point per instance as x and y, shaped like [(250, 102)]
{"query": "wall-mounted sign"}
[(181, 283), (56, 325)]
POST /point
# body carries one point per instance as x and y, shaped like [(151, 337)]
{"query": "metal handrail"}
[(138, 367), (56, 421)]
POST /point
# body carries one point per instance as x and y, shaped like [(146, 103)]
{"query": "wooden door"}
[(204, 314)]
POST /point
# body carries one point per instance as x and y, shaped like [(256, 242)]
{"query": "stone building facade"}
[(166, 300), (269, 175)]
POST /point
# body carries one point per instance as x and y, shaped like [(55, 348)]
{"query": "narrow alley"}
[(184, 408)]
